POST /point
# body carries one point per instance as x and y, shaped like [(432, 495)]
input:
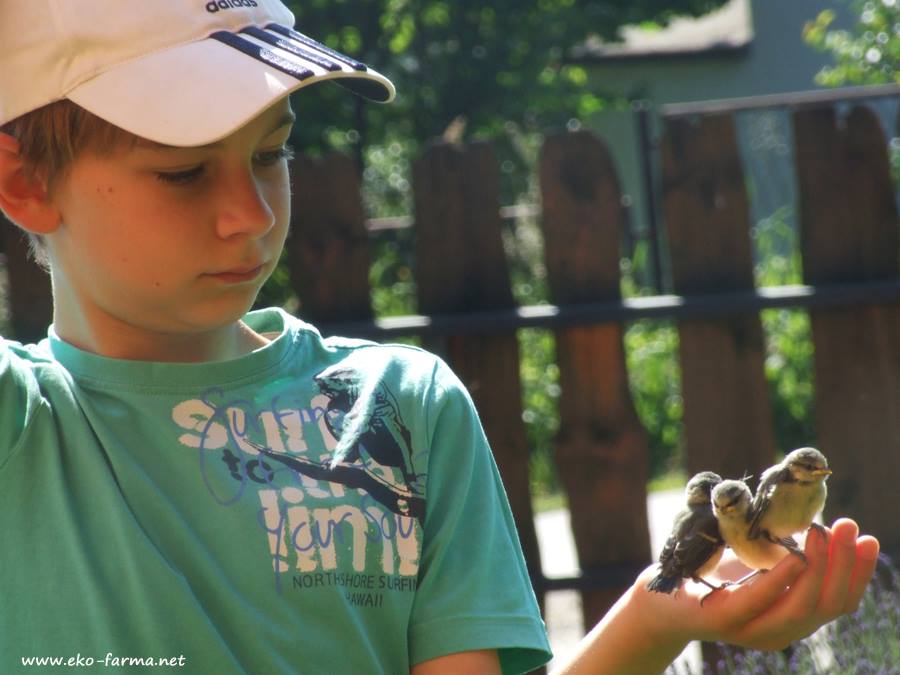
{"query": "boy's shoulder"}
[(401, 364), (347, 346), (20, 360), (391, 361), (395, 351)]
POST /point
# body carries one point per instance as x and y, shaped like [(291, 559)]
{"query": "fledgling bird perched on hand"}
[(694, 547), (732, 504), (789, 496)]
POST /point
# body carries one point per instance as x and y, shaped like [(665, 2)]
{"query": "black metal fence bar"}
[(632, 309), (648, 149), (792, 100), (513, 212)]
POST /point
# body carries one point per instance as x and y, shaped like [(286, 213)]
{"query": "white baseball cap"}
[(179, 72)]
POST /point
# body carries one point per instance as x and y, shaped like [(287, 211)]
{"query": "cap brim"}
[(198, 93)]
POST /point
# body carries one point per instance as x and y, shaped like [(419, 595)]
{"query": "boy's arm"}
[(484, 662), (646, 631), (473, 590)]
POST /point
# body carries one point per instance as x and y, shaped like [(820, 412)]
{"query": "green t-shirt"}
[(316, 506)]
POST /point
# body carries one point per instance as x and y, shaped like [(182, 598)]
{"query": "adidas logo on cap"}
[(213, 7)]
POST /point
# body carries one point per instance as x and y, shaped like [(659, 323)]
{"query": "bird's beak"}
[(822, 472)]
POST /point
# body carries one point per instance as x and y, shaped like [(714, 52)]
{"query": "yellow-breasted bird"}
[(732, 504), (694, 547), (789, 496)]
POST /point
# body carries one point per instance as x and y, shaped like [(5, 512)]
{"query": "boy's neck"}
[(125, 342)]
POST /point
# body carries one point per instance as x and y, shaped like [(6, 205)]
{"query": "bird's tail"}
[(664, 584)]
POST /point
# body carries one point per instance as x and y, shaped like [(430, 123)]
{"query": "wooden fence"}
[(850, 250)]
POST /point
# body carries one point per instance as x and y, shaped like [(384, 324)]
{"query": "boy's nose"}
[(243, 209)]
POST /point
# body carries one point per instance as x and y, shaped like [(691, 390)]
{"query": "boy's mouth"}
[(237, 276)]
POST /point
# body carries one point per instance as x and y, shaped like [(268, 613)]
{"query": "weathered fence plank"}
[(850, 232), (328, 245), (601, 451), (727, 416), (461, 267), (30, 297)]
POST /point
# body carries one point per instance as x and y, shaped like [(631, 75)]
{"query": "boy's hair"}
[(50, 139)]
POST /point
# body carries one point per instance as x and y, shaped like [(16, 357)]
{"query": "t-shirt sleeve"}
[(474, 591), (18, 396)]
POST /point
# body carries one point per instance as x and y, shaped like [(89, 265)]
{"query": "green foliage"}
[(651, 349), (387, 178), (390, 275), (654, 373), (484, 70), (789, 351), (539, 374), (540, 412), (651, 355), (868, 54)]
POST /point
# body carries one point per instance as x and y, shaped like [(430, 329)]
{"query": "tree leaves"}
[(868, 54), (488, 64)]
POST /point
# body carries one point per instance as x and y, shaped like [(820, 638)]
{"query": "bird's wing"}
[(666, 555), (679, 527), (767, 484), (697, 546)]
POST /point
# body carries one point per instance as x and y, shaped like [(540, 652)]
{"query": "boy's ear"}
[(22, 198)]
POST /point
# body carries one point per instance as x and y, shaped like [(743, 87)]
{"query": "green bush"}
[(788, 335), (651, 355), (867, 54)]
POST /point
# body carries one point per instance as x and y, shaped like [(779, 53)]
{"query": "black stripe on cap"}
[(305, 53), (309, 42), (263, 54)]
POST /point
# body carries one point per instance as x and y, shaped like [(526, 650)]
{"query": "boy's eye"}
[(265, 159), (180, 177), (274, 156)]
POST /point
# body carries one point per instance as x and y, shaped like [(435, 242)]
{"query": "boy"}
[(188, 484)]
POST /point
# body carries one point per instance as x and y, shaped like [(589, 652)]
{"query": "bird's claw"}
[(818, 528), (715, 589), (790, 544), (800, 554)]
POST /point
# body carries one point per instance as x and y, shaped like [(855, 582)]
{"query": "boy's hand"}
[(778, 607)]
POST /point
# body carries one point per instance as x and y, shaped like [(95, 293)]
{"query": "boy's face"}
[(172, 241)]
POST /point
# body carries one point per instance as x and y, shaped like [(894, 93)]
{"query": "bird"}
[(694, 547), (789, 496), (732, 504)]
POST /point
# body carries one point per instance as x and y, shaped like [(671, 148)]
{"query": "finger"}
[(841, 563), (794, 615), (733, 609), (867, 549)]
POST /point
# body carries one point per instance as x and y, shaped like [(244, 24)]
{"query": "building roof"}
[(730, 28)]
